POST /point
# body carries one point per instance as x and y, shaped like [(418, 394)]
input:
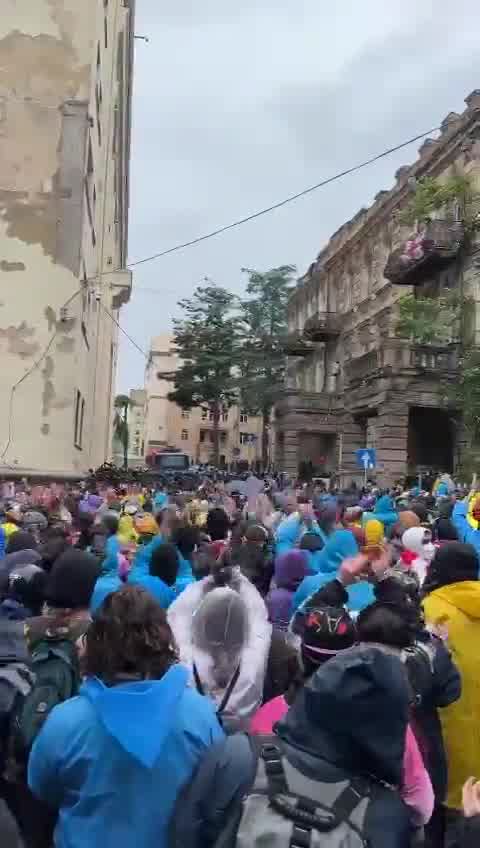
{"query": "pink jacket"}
[(416, 790)]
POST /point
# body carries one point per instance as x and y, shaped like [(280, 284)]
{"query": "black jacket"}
[(471, 833), (349, 720)]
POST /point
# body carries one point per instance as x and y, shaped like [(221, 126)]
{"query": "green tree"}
[(206, 339), (427, 320), (431, 195), (262, 369), (120, 425)]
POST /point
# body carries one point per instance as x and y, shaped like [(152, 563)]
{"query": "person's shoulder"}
[(69, 717), (194, 708)]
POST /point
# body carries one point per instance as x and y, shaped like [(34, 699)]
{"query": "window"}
[(246, 438), (184, 435), (105, 32), (202, 435), (204, 414), (185, 414), (225, 415), (211, 416), (79, 416), (223, 437), (243, 418)]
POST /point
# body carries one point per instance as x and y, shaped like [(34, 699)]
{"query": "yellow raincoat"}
[(455, 610)]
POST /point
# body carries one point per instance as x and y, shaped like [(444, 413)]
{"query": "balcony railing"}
[(426, 252), (397, 356), (298, 401), (322, 327), (295, 345)]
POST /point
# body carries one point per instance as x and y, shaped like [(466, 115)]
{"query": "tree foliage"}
[(262, 368), (431, 195), (426, 320), (120, 424), (207, 339)]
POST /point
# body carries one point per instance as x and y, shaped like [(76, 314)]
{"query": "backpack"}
[(418, 660), (286, 809), (57, 677)]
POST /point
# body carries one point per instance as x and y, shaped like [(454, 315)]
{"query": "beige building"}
[(65, 117), (351, 381), (168, 426)]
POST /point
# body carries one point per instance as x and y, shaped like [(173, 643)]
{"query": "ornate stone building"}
[(351, 382)]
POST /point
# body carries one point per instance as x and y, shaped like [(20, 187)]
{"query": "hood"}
[(385, 507), (112, 550), (21, 541), (127, 709), (354, 713), (290, 569), (453, 563), (288, 530), (373, 531), (445, 531), (464, 596), (412, 540), (340, 545), (221, 622)]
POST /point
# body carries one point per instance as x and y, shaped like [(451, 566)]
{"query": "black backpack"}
[(285, 808)]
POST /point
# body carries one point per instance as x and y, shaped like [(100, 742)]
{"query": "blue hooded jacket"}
[(109, 581), (466, 533), (340, 545), (289, 532), (141, 563), (384, 511), (113, 760)]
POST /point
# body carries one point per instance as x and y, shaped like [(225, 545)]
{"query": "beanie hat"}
[(328, 630), (72, 580), (146, 525), (408, 519)]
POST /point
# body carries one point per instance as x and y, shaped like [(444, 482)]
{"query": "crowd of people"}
[(216, 669)]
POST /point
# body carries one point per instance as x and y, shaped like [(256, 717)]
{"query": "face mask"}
[(428, 551)]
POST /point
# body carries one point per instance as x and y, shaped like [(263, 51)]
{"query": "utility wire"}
[(133, 342), (281, 203)]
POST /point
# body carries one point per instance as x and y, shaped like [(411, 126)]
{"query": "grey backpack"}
[(286, 809)]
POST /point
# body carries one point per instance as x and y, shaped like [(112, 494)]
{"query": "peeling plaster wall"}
[(48, 90)]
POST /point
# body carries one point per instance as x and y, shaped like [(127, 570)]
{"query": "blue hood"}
[(141, 563), (110, 563), (128, 709), (384, 511), (287, 533), (340, 545)]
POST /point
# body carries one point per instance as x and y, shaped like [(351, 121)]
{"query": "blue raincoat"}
[(113, 760), (109, 581), (141, 563), (340, 545), (290, 531), (466, 533), (384, 511)]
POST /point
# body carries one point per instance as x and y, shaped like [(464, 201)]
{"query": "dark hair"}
[(420, 510), (386, 625), (217, 524), (110, 523), (311, 542), (129, 635), (186, 539), (164, 563), (21, 540)]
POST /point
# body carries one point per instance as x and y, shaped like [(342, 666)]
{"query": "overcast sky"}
[(237, 104)]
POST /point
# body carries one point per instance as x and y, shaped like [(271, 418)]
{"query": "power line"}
[(133, 342), (281, 203)]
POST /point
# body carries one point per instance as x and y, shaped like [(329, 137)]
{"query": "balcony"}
[(121, 283), (322, 327), (298, 401), (296, 345), (425, 253), (398, 357)]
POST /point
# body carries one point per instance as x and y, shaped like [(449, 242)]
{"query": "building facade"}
[(351, 381), (136, 432), (168, 426), (65, 117)]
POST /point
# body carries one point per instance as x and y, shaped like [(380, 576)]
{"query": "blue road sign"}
[(366, 458)]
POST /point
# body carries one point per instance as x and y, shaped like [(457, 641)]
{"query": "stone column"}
[(290, 453), (392, 441), (350, 439)]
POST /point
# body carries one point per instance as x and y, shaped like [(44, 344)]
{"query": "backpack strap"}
[(349, 799), (228, 691)]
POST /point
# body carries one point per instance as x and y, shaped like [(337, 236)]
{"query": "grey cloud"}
[(237, 105)]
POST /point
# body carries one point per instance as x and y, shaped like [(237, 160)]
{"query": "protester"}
[(418, 545), (452, 609), (341, 545), (466, 518), (133, 736), (290, 570), (349, 722), (198, 647), (161, 581)]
